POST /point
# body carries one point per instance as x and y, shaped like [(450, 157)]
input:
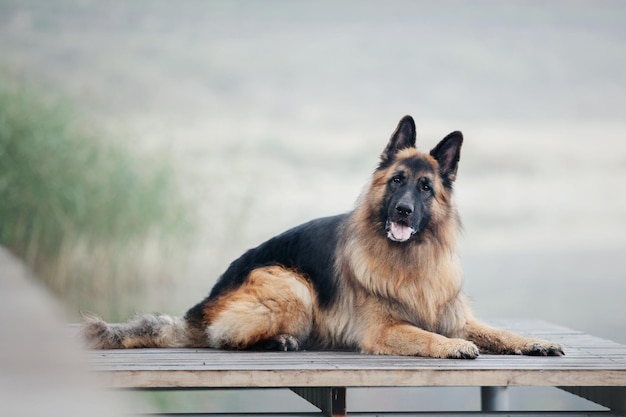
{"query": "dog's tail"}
[(143, 331)]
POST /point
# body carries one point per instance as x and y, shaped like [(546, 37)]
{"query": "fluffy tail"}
[(143, 331)]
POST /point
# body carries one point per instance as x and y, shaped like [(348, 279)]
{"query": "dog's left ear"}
[(403, 137), (447, 153)]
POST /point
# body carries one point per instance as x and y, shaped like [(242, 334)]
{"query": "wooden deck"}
[(593, 368)]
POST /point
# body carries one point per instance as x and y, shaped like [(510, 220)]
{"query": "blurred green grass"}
[(87, 212)]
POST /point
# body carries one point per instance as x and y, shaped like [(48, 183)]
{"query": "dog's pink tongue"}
[(400, 232)]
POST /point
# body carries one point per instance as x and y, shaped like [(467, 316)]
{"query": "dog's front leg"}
[(494, 340), (405, 339)]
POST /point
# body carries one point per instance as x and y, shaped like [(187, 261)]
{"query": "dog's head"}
[(415, 188)]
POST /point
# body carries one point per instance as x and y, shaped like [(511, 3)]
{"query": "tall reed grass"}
[(89, 215)]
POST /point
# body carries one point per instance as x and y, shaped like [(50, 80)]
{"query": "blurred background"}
[(144, 145)]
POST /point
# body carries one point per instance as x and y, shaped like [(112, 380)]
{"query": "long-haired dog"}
[(384, 278)]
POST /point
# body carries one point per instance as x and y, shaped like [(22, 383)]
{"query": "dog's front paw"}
[(461, 349), (542, 348)]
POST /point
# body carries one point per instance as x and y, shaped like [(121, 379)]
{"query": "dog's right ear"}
[(402, 138)]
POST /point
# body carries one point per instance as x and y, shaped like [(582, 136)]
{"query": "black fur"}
[(308, 248), (403, 137), (418, 165), (447, 153)]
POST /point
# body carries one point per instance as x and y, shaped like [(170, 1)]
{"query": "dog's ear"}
[(447, 153), (403, 137)]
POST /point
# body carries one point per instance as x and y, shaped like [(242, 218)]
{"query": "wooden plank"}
[(590, 361), (355, 378)]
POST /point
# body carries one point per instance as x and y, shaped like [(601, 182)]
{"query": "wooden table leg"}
[(331, 400)]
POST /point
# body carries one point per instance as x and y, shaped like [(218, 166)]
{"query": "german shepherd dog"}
[(382, 279)]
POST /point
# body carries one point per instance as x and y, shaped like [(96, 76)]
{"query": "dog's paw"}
[(461, 349), (282, 342), (542, 348)]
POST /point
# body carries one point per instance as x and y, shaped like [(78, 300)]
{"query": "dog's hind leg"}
[(272, 309)]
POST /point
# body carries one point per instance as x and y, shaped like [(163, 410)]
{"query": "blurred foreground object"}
[(41, 371)]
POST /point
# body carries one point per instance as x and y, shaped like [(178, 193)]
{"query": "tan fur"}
[(494, 340), (404, 301), (426, 281), (273, 301)]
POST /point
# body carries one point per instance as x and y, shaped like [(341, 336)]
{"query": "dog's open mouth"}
[(399, 232)]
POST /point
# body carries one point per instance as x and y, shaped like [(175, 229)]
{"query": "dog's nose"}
[(404, 208)]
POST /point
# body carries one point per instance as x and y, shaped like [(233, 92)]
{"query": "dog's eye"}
[(396, 179), (425, 186)]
